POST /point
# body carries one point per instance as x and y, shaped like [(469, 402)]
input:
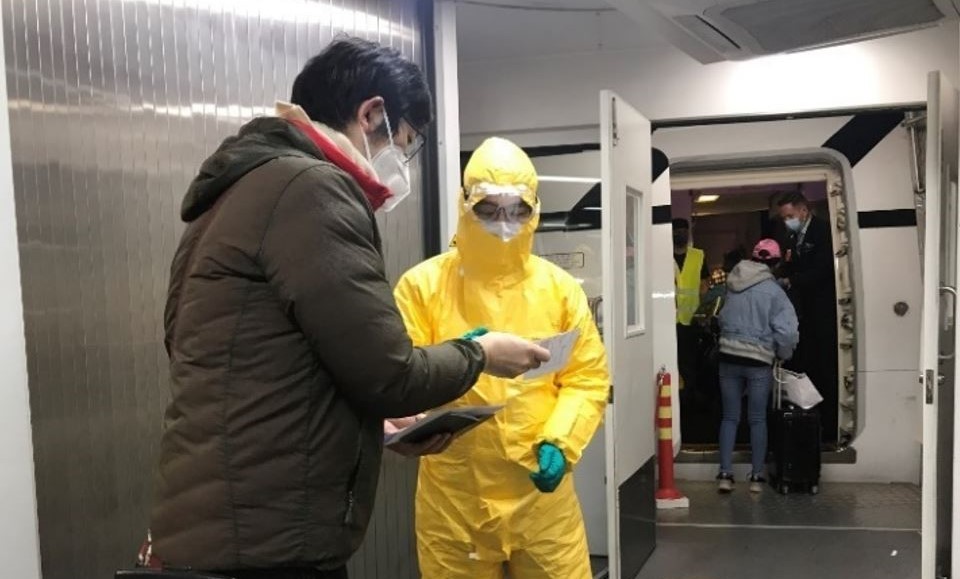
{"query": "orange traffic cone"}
[(668, 497)]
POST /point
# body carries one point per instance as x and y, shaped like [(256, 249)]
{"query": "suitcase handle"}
[(778, 380)]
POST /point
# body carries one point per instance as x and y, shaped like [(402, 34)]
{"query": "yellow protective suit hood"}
[(496, 164)]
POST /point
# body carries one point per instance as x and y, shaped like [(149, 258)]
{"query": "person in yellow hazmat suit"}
[(503, 494)]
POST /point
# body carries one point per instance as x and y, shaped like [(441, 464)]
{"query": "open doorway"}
[(725, 223)]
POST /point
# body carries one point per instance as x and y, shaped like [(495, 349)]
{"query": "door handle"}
[(945, 289)]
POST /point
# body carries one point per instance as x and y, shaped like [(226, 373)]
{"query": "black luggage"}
[(795, 438)]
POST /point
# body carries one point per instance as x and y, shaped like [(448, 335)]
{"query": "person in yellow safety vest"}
[(690, 275), (503, 494)]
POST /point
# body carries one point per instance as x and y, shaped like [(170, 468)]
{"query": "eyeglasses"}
[(416, 145), (490, 211)]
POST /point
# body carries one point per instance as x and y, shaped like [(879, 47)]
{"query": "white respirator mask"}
[(390, 166)]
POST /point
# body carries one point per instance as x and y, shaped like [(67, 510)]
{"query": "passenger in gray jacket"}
[(758, 325)]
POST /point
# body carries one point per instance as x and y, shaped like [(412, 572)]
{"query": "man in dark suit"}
[(808, 277)]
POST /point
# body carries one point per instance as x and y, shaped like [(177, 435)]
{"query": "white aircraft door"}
[(938, 329), (628, 334)]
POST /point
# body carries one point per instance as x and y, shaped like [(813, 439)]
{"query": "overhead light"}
[(557, 179), (707, 198)]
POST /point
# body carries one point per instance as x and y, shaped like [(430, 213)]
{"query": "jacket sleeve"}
[(584, 385), (320, 252), (783, 322), (819, 270)]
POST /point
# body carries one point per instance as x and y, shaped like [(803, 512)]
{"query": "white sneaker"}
[(756, 483), (724, 483)]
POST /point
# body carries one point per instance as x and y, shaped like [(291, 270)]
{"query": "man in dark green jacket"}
[(286, 348)]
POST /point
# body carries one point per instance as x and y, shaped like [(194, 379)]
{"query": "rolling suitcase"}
[(795, 438)]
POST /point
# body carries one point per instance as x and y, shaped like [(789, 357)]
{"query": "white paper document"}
[(560, 346)]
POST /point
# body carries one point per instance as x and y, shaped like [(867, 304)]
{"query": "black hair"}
[(732, 258), (771, 263), (680, 223), (333, 85), (793, 198)]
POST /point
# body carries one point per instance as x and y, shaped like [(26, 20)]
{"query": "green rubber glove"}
[(473, 334), (553, 465)]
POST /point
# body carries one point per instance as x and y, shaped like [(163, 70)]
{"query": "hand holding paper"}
[(560, 348), (508, 356)]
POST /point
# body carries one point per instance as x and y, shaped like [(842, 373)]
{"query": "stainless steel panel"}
[(113, 105)]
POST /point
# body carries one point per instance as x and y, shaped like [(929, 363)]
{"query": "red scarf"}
[(376, 192)]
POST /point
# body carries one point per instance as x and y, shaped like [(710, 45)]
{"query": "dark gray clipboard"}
[(455, 421)]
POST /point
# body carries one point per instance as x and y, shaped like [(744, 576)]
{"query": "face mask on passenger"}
[(391, 167), (793, 224)]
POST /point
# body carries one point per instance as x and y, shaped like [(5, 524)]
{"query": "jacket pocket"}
[(351, 498)]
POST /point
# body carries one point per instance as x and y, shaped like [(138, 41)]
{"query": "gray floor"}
[(786, 553), (848, 530), (857, 505)]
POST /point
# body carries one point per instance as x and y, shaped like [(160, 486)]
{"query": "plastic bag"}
[(797, 388)]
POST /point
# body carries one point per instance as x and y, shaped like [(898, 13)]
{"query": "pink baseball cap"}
[(766, 249)]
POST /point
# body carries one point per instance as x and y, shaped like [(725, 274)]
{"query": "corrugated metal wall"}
[(114, 104)]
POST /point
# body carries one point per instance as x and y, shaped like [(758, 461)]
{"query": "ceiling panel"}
[(488, 32)]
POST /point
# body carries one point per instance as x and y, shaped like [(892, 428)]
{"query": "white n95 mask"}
[(505, 230), (390, 166)]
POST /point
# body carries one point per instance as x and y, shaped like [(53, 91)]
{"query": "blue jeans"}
[(756, 381)]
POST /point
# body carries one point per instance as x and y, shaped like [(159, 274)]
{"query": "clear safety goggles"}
[(490, 202), (515, 210)]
